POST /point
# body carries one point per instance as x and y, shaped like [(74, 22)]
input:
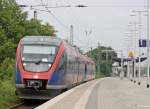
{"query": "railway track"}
[(27, 105)]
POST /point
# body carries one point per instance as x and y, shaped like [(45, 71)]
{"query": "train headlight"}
[(24, 64), (23, 58), (49, 65)]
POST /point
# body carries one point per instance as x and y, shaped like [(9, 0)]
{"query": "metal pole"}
[(88, 33), (106, 56), (139, 61), (128, 70), (132, 76), (135, 53), (106, 61), (99, 58), (148, 44), (99, 63), (71, 34), (139, 73), (134, 43), (128, 62), (122, 73), (35, 15)]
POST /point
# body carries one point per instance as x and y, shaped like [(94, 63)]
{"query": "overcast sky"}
[(107, 19)]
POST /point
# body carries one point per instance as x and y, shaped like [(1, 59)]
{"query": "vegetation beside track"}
[(7, 94), (14, 24), (102, 60), (7, 84)]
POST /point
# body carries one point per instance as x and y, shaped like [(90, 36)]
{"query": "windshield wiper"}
[(38, 62)]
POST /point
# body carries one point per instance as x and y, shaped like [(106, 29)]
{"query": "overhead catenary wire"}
[(47, 7), (117, 5), (62, 6), (47, 10), (53, 15), (31, 5)]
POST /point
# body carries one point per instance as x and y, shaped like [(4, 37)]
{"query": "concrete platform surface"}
[(106, 93)]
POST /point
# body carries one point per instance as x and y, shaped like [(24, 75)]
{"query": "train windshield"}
[(38, 58)]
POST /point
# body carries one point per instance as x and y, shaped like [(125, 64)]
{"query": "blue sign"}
[(142, 43)]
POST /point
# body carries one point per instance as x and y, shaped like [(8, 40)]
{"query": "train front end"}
[(36, 63)]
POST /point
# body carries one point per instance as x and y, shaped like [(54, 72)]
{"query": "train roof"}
[(50, 40)]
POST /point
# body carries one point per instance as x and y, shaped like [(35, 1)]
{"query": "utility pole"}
[(134, 59), (128, 62), (71, 34), (122, 73), (128, 69), (135, 52), (139, 61), (148, 58), (91, 52), (35, 15), (99, 58), (88, 33), (128, 51)]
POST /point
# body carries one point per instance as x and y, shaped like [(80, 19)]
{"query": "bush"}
[(7, 68), (7, 84), (7, 94)]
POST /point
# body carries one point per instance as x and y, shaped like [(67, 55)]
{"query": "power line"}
[(23, 6), (115, 6), (50, 12), (62, 6), (52, 16), (39, 9)]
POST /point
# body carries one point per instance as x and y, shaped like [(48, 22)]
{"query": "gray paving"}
[(108, 93), (114, 93), (69, 101)]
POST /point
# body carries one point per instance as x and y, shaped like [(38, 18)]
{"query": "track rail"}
[(25, 105), (17, 106)]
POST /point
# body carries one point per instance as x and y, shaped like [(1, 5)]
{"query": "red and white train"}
[(46, 66)]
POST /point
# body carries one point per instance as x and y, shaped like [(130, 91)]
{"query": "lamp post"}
[(148, 58), (88, 33), (134, 31), (127, 38), (139, 29)]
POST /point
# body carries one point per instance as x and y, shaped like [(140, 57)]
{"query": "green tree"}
[(35, 27), (103, 61), (6, 69), (14, 25)]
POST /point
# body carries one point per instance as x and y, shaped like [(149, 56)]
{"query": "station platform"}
[(105, 93)]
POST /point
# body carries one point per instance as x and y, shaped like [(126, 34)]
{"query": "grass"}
[(7, 94)]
